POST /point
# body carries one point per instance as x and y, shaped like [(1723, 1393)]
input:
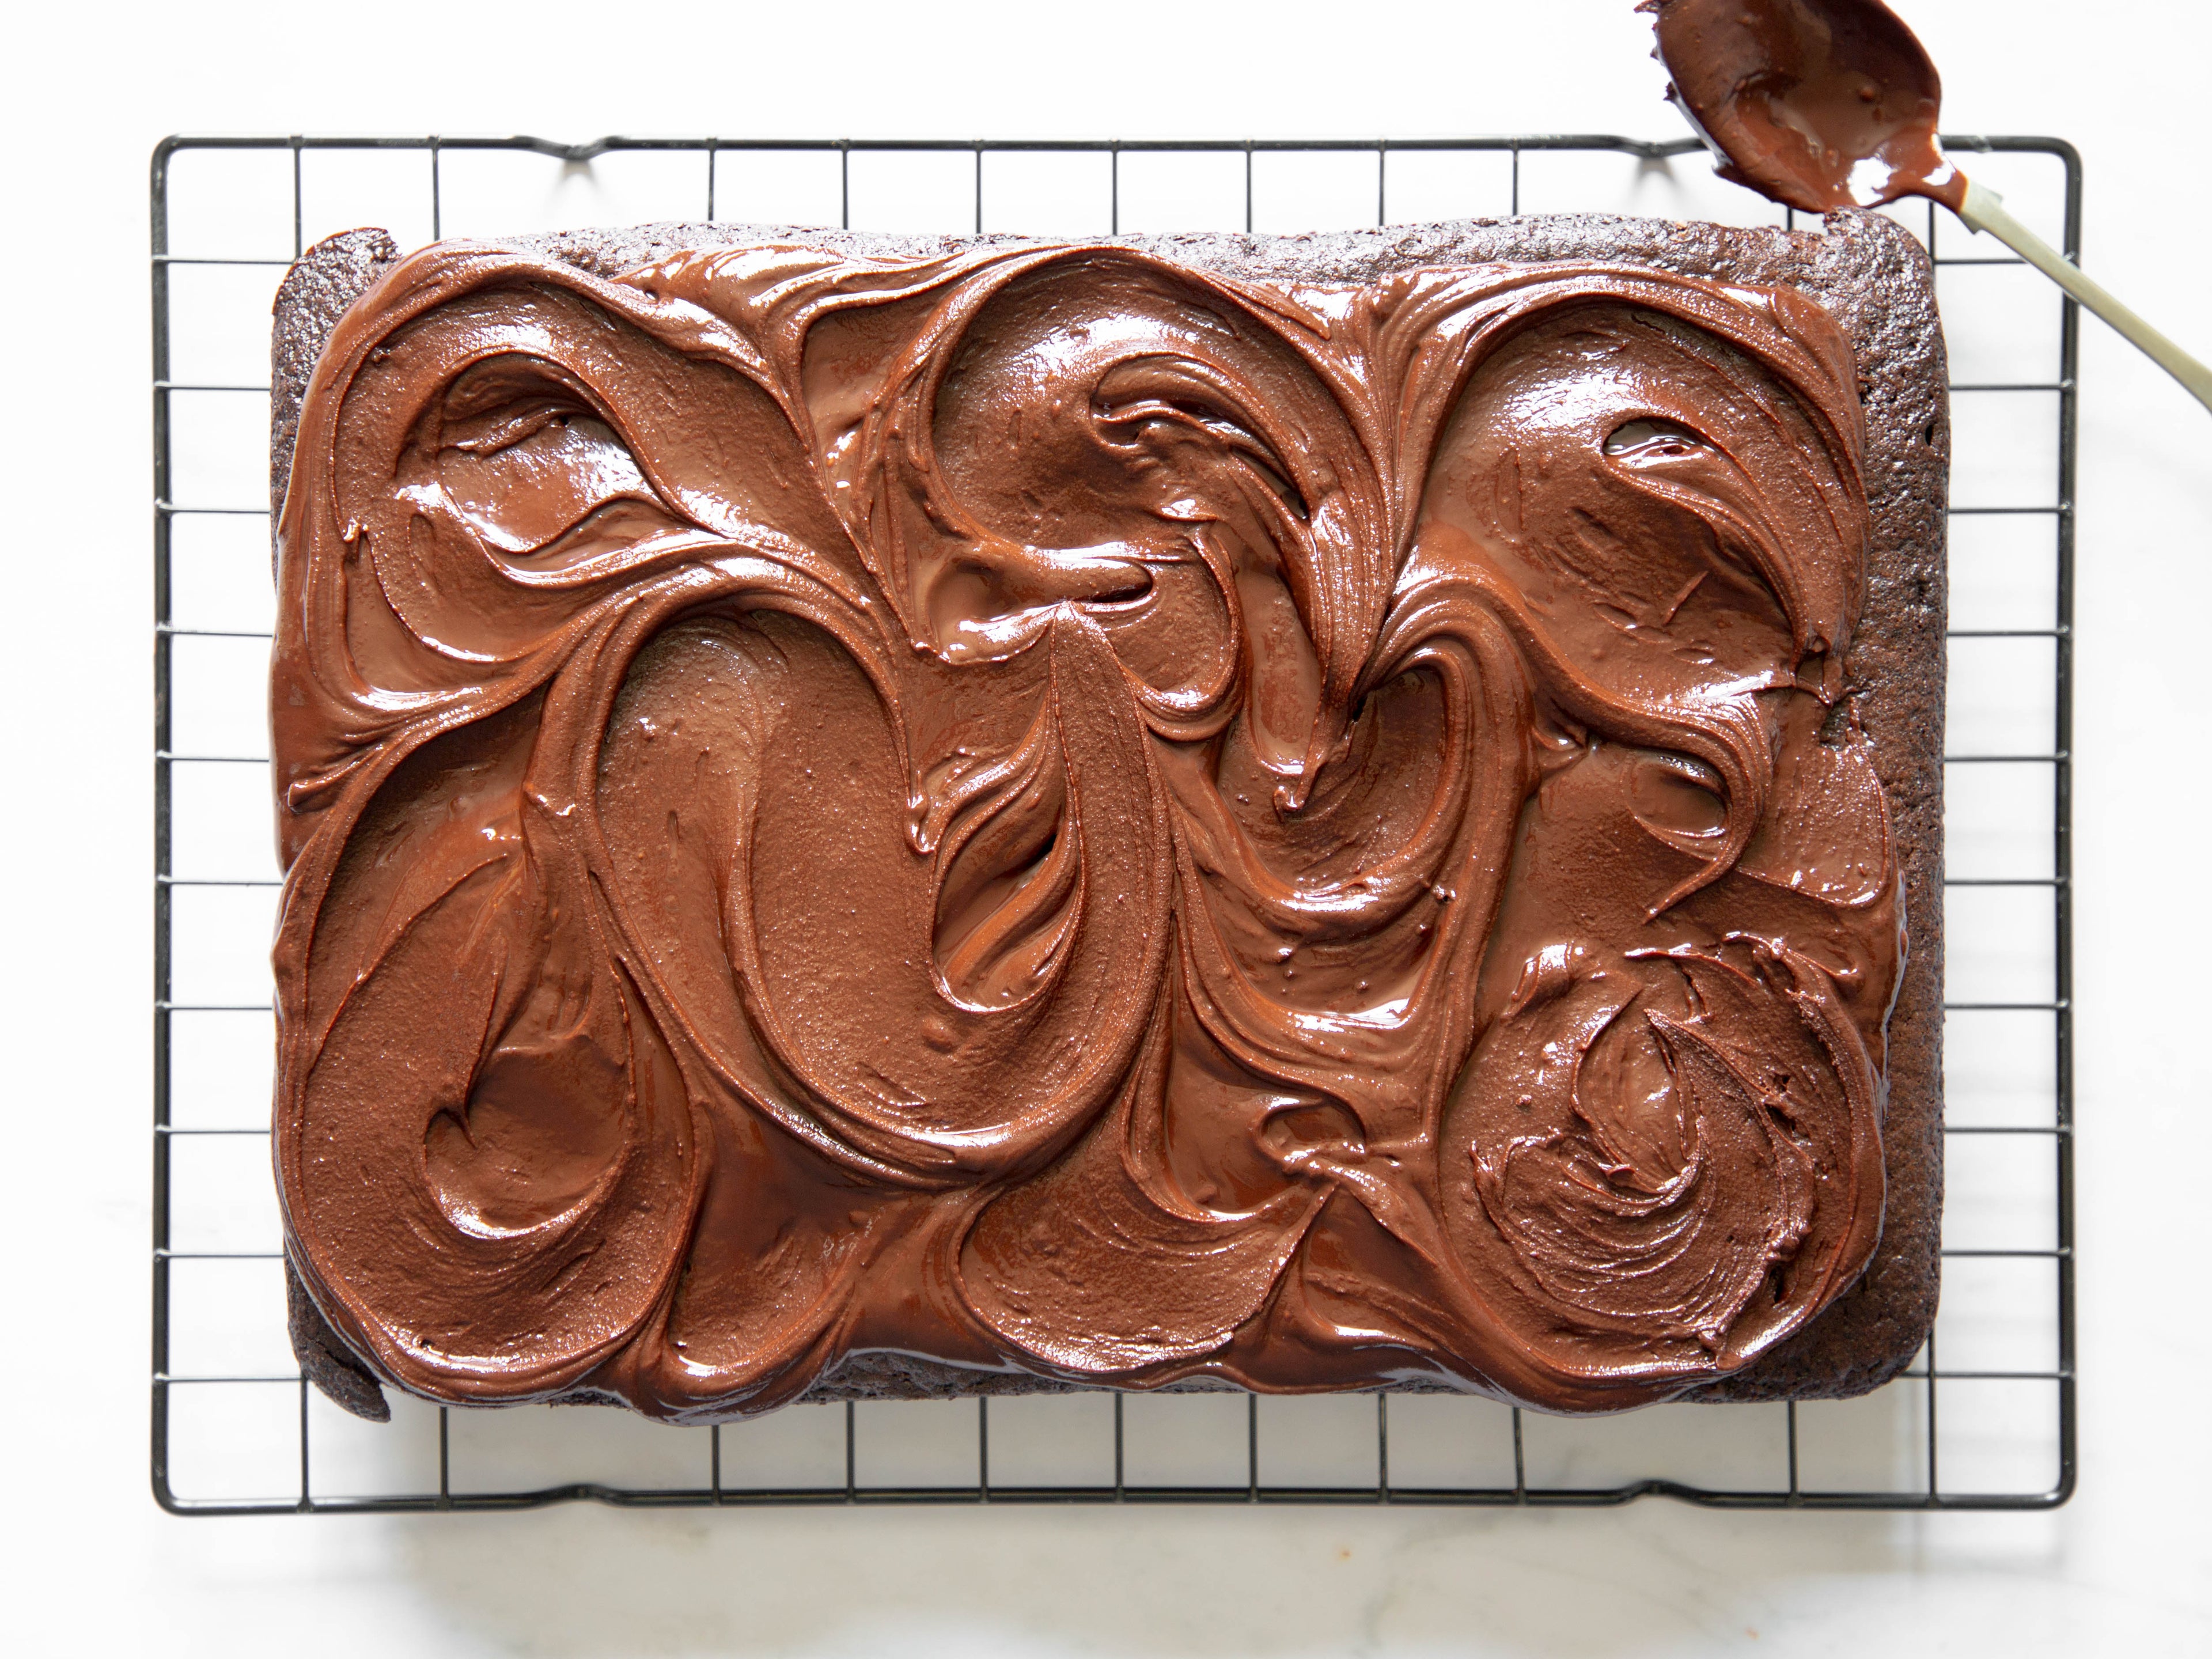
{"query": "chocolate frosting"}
[(1051, 811), (1818, 104)]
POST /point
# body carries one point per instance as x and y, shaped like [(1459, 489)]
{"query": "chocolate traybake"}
[(898, 817)]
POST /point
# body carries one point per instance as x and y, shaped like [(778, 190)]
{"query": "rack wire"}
[(288, 1451)]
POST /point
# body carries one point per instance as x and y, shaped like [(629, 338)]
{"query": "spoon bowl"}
[(1820, 105), (1828, 104)]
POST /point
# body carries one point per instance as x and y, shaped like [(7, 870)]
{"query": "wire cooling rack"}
[(237, 1431)]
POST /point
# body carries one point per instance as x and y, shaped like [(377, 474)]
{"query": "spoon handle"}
[(1984, 209)]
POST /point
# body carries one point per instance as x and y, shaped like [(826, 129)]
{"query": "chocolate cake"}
[(901, 816)]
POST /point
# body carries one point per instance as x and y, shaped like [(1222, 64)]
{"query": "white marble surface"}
[(2126, 1568)]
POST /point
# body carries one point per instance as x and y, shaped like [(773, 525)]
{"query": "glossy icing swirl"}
[(1055, 811)]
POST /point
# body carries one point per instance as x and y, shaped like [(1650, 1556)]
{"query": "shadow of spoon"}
[(1827, 104)]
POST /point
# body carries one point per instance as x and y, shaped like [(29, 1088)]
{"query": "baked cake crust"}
[(1743, 1327)]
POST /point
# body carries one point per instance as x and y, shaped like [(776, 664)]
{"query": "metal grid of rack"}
[(230, 1436)]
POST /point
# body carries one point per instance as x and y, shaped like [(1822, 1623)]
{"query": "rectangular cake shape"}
[(1137, 669)]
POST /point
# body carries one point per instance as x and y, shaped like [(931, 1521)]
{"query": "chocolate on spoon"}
[(1827, 104)]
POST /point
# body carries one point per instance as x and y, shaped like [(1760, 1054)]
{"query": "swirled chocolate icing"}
[(1062, 813)]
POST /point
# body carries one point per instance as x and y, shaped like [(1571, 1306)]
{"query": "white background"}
[(94, 1566)]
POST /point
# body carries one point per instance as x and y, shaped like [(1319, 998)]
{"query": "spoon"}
[(1827, 104)]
